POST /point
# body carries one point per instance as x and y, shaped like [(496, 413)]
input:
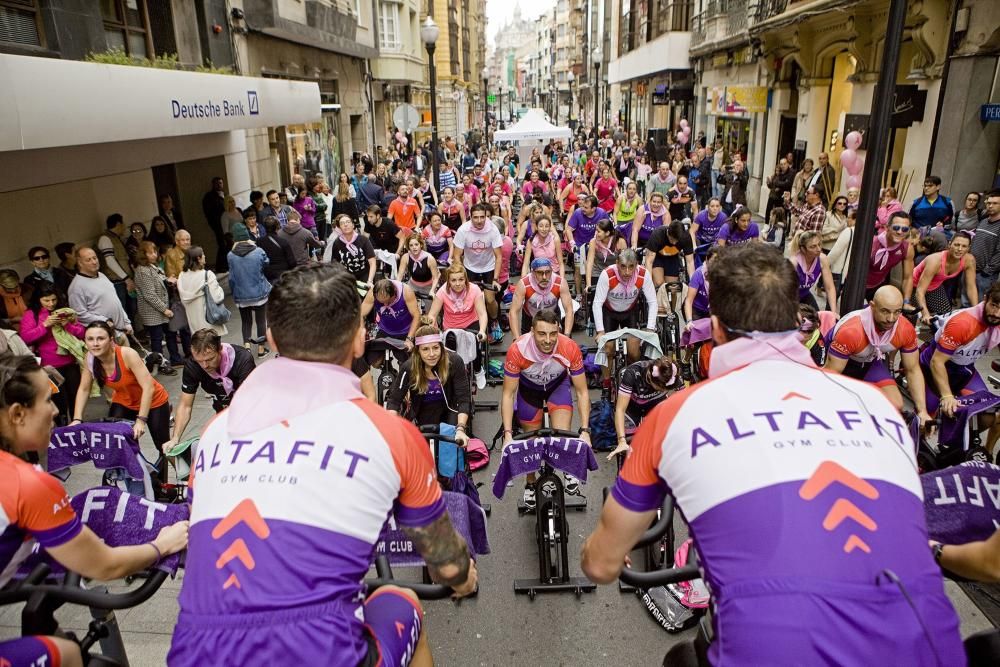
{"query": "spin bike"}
[(551, 526), (43, 598)]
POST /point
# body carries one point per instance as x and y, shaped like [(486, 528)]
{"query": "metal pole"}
[(434, 119), (486, 107), (878, 139), (597, 94)]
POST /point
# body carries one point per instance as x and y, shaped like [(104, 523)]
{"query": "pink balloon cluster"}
[(852, 163), (684, 135)]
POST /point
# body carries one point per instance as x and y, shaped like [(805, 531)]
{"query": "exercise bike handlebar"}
[(69, 591), (432, 433), (655, 578), (546, 432), (384, 577), (662, 524)]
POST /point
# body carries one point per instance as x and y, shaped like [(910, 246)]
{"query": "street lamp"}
[(429, 33), (596, 57), (486, 100), (569, 112)]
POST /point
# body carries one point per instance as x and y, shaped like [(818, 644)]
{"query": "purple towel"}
[(467, 517), (570, 455), (954, 431), (700, 330), (120, 519), (107, 445), (962, 503)]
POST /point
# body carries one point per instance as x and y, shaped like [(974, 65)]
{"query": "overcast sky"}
[(499, 12)]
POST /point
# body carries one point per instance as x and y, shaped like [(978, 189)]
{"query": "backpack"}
[(602, 426)]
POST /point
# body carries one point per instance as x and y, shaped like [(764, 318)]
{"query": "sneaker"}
[(572, 486), (480, 379), (167, 369), (529, 497)]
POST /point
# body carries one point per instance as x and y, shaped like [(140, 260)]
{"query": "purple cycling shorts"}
[(29, 652), (874, 372), (530, 400), (312, 635)]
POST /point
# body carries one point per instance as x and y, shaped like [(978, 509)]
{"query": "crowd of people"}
[(592, 233)]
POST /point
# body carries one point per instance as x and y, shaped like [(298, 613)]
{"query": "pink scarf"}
[(605, 250), (799, 260), (419, 256), (880, 256), (463, 302), (630, 283), (529, 350), (537, 244), (349, 242), (781, 346), (226, 357), (537, 288), (876, 339)]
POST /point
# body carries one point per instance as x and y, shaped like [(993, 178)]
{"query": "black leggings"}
[(247, 315), (158, 425)]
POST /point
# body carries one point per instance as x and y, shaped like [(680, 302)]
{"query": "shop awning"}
[(49, 103), (669, 51)]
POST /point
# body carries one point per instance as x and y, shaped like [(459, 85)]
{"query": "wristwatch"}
[(938, 550), (584, 429)]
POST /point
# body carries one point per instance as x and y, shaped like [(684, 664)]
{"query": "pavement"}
[(496, 628)]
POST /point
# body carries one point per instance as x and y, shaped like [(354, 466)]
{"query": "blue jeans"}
[(715, 182)]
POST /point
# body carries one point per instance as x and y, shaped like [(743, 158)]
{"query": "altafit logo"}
[(843, 509), (246, 512)]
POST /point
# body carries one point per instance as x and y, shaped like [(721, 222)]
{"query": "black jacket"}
[(780, 184), (279, 254), (457, 390)]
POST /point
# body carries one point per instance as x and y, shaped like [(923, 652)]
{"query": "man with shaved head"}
[(861, 341)]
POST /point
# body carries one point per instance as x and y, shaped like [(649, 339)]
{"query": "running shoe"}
[(529, 497), (480, 379), (572, 486)]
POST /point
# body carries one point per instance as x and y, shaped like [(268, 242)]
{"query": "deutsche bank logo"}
[(253, 102)]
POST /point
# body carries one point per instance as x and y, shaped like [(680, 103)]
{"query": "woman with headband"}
[(432, 387), (643, 386)]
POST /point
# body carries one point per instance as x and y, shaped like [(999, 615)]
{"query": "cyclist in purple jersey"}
[(739, 229), (650, 217), (811, 265), (273, 576), (397, 310), (696, 299), (706, 225), (803, 497), (580, 231)]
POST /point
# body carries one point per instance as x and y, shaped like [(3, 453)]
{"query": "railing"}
[(768, 8), (736, 12)]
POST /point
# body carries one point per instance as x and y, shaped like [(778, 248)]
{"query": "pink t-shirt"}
[(459, 313)]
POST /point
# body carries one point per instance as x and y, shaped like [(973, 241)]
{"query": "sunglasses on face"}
[(900, 229), (38, 258)]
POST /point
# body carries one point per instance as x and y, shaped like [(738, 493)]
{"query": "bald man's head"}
[(887, 306)]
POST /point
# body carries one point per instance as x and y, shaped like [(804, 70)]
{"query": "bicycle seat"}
[(383, 344), (677, 286)]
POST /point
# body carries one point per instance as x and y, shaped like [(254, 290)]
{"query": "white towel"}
[(390, 259), (650, 344), (465, 344)]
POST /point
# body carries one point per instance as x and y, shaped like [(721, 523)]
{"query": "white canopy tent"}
[(533, 131)]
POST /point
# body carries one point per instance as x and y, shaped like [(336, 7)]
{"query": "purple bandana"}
[(106, 445), (466, 516), (570, 455), (962, 503)]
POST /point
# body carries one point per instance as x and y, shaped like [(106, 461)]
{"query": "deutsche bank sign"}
[(212, 109)]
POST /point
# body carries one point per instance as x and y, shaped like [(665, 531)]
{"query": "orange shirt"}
[(404, 213), (126, 387)]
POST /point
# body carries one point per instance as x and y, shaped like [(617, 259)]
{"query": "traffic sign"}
[(406, 117)]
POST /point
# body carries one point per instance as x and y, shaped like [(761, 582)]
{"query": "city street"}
[(496, 628)]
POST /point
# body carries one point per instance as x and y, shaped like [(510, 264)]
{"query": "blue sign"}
[(989, 112), (253, 102)]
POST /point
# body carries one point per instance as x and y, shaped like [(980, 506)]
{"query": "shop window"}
[(388, 26), (20, 23), (126, 26)]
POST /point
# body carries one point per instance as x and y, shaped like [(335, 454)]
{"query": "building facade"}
[(150, 132)]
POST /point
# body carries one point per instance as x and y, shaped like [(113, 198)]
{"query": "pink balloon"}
[(853, 181), (848, 159), (680, 138), (684, 124), (853, 140)]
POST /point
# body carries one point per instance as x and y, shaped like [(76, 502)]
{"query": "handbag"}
[(215, 313)]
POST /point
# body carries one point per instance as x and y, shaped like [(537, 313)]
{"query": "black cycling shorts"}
[(671, 264), (614, 320)]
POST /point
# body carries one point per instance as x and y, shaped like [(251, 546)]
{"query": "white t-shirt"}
[(477, 246)]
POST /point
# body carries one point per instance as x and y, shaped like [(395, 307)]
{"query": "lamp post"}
[(429, 33), (486, 100), (569, 112), (596, 57)]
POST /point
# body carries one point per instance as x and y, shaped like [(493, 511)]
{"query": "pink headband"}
[(428, 339)]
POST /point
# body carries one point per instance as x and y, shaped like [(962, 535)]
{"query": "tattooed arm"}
[(446, 555)]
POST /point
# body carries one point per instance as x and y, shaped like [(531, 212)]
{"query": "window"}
[(126, 26), (19, 22), (388, 26)]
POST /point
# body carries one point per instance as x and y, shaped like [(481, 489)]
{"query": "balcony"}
[(330, 27), (723, 23)]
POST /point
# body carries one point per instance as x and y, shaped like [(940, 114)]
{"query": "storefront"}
[(310, 149), (148, 133)]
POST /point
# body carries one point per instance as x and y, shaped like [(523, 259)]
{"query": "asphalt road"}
[(496, 628)]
